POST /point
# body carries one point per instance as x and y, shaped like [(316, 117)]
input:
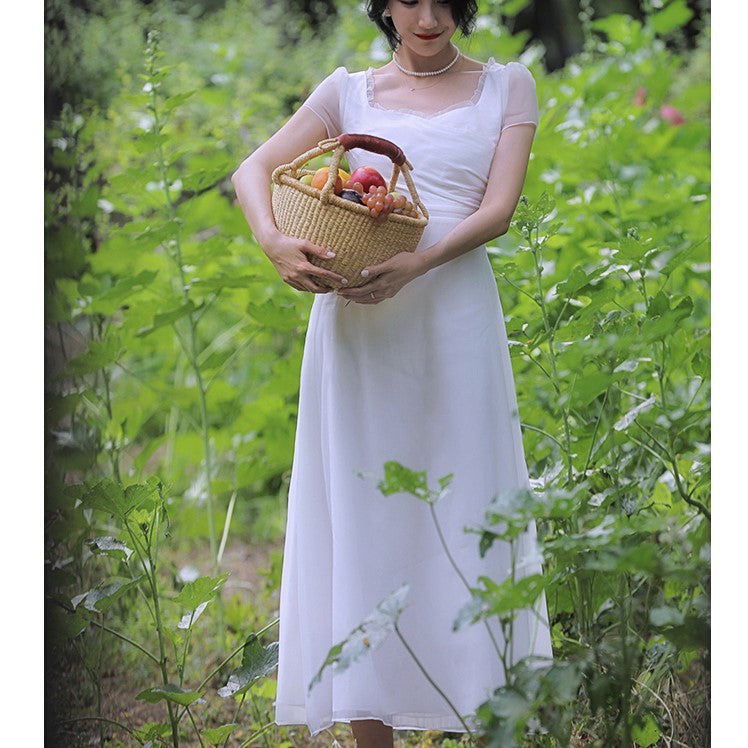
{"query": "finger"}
[(317, 251), (363, 292), (313, 287), (323, 273), (373, 271)]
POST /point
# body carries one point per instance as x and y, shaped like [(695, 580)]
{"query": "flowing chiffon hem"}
[(288, 714)]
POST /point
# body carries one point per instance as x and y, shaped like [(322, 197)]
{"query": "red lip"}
[(427, 36)]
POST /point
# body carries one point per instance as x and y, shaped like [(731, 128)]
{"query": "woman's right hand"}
[(290, 257)]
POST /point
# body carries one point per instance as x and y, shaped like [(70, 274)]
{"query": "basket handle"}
[(374, 144)]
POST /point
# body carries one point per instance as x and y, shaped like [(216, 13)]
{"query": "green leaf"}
[(153, 730), (510, 8), (659, 304), (577, 279), (400, 479), (100, 354), (679, 257), (589, 386), (665, 616), (667, 323), (632, 248), (694, 632), (109, 496), (366, 637), (217, 735), (177, 100), (102, 597), (563, 680), (499, 599), (201, 590), (224, 280), (167, 318), (274, 316), (111, 300), (63, 625), (169, 692), (628, 419), (257, 662), (509, 705), (647, 733), (618, 27), (471, 612), (109, 546), (671, 17)]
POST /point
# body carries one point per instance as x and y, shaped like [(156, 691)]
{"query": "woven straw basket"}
[(345, 227)]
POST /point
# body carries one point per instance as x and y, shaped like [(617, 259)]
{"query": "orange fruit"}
[(320, 179)]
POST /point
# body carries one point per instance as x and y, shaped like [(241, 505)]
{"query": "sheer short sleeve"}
[(325, 101), (520, 99)]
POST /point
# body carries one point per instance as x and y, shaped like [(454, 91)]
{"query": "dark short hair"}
[(463, 14)]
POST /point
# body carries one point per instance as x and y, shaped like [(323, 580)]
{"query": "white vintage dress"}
[(423, 378)]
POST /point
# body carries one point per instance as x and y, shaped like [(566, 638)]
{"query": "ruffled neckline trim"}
[(472, 101)]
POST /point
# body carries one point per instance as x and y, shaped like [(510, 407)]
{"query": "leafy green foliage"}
[(169, 692), (367, 636), (257, 662)]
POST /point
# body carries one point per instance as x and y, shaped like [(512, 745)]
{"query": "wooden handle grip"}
[(374, 144)]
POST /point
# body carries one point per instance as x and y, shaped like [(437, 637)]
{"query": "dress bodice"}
[(451, 149)]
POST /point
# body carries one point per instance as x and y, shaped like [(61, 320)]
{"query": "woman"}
[(416, 370)]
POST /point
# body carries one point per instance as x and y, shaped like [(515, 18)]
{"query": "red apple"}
[(367, 176)]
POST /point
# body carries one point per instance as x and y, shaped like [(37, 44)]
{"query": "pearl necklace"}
[(430, 72)]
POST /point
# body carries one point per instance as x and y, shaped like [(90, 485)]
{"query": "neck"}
[(421, 64)]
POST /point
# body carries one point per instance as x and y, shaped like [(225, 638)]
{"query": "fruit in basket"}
[(368, 177), (320, 179), (381, 203), (351, 185), (307, 179), (352, 195)]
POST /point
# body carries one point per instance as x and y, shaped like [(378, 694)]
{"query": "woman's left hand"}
[(386, 279)]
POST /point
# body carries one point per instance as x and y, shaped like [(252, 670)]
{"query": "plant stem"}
[(197, 732), (594, 431), (545, 433), (442, 540), (672, 464), (257, 734), (150, 573), (236, 716), (626, 695), (101, 719), (431, 681), (228, 659), (191, 349), (126, 639), (536, 248), (258, 717)]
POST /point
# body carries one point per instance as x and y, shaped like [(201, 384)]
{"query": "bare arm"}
[(505, 180), (252, 185)]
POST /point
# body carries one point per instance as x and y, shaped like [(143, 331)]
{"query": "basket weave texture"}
[(339, 225)]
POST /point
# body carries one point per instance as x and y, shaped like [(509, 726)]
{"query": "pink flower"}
[(640, 97), (671, 114)]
